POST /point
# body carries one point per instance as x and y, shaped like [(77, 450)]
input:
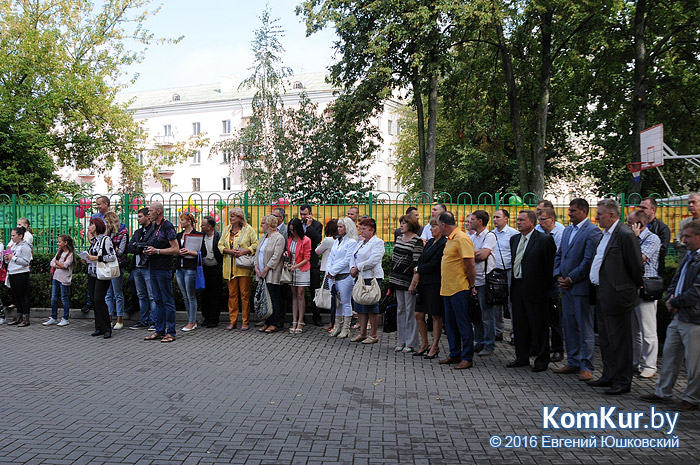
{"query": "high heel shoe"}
[(421, 353), (299, 328), (430, 357)]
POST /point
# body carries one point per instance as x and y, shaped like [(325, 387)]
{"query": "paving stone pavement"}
[(215, 397)]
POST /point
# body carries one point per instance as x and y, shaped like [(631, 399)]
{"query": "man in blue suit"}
[(572, 265)]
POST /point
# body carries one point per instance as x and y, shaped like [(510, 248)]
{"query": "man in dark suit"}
[(533, 261), (616, 271), (212, 261), (572, 265), (313, 229)]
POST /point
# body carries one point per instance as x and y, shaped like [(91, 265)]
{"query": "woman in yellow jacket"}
[(238, 240)]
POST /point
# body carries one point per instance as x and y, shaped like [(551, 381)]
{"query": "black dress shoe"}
[(86, 309), (430, 357), (557, 357), (97, 332), (600, 382), (616, 391), (517, 363), (478, 348), (499, 337), (538, 369), (107, 335)]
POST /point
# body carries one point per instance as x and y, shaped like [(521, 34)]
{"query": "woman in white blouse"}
[(367, 264), (324, 250), (338, 270)]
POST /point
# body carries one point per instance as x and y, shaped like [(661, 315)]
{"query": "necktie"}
[(573, 233), (519, 257)]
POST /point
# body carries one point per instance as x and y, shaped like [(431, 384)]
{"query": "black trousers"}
[(615, 336), (315, 284), (531, 326), (213, 280), (98, 291), (19, 284), (276, 318)]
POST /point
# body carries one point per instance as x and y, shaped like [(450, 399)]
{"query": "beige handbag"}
[(366, 294), (322, 297)]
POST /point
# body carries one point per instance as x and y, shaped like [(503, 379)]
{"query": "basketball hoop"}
[(636, 168)]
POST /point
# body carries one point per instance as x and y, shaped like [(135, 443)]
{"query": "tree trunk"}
[(428, 173), (418, 99), (540, 154), (639, 107), (514, 104)]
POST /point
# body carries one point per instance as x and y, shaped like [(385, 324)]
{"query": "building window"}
[(390, 155), (390, 127), (196, 129), (176, 98), (167, 185), (377, 182), (139, 158), (226, 184), (245, 122), (226, 126), (226, 156), (196, 185), (298, 85), (389, 187), (167, 130), (197, 157)]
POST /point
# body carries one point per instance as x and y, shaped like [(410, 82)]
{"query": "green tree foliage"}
[(296, 150), (59, 65)]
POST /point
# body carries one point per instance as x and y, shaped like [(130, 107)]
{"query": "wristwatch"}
[(158, 251)]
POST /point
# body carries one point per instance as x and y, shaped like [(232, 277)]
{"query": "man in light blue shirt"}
[(502, 255)]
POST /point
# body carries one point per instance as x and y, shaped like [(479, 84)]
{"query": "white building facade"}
[(216, 111)]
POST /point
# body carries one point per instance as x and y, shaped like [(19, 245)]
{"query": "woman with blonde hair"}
[(238, 240), (268, 266), (338, 270), (120, 238)]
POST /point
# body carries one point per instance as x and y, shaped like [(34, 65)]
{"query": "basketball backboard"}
[(651, 144)]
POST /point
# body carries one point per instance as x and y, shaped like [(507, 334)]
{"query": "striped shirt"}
[(403, 260)]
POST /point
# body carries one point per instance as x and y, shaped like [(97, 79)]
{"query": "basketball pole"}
[(664, 180)]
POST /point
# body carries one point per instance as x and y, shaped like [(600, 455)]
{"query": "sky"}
[(217, 42)]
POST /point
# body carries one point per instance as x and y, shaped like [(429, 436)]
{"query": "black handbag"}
[(497, 283), (653, 289), (474, 309)]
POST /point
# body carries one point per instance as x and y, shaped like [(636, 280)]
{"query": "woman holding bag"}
[(268, 266), (339, 275), (17, 257), (238, 241), (367, 265), (101, 250)]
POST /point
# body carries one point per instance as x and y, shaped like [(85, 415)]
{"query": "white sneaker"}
[(647, 373), (118, 326), (50, 321), (2, 321), (64, 322)]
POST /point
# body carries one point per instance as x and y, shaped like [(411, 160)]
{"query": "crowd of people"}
[(551, 280)]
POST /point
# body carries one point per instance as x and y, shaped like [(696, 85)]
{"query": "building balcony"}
[(165, 141)]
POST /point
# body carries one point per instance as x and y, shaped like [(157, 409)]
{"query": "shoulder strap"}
[(498, 244)]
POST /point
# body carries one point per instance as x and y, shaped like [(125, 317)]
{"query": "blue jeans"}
[(162, 287), (115, 295), (485, 332), (147, 304), (56, 288), (458, 326), (186, 282)]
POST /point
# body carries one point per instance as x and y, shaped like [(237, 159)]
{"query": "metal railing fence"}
[(52, 216)]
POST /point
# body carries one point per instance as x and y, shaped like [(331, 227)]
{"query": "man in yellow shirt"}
[(458, 271)]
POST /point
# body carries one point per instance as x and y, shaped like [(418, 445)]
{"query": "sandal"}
[(293, 328), (299, 329), (262, 328), (370, 340), (399, 348), (271, 329), (168, 338), (153, 337)]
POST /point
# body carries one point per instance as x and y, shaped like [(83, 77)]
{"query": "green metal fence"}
[(52, 216)]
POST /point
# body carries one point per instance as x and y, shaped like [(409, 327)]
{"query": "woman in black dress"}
[(426, 280)]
